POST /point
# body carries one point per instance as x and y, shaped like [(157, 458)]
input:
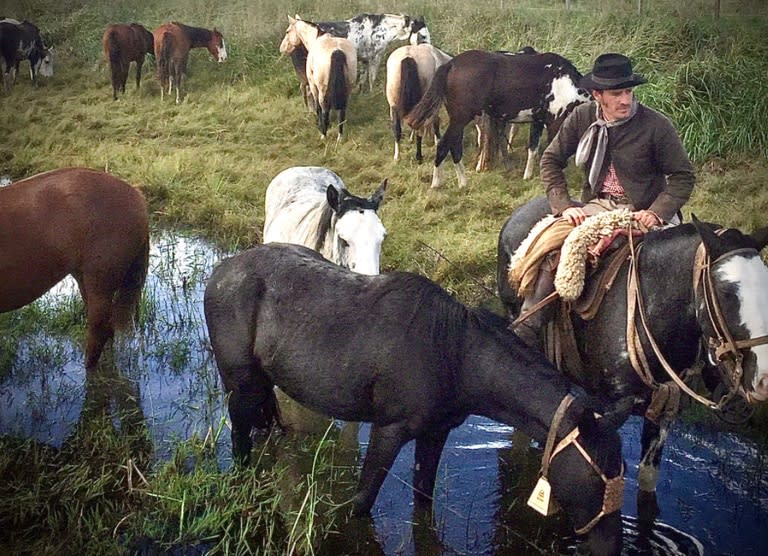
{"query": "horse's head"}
[(419, 32), (358, 230), (216, 46), (44, 66), (732, 308)]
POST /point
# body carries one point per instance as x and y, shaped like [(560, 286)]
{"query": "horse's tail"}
[(409, 93), (125, 306), (164, 62), (338, 89), (115, 59), (429, 105)]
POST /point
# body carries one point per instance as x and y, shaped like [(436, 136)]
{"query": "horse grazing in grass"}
[(82, 222), (410, 70), (399, 352), (21, 40), (331, 69), (125, 43), (299, 61), (540, 89), (173, 42), (310, 206), (690, 299)]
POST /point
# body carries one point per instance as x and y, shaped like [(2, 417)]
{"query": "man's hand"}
[(647, 218), (574, 215)]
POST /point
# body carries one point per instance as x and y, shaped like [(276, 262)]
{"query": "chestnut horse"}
[(125, 43), (82, 222), (331, 69), (173, 42)]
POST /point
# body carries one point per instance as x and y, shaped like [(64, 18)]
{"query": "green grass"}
[(204, 166)]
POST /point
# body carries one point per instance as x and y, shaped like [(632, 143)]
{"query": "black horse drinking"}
[(398, 351), (700, 301)]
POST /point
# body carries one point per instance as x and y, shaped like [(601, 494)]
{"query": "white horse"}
[(310, 206), (331, 69), (372, 34), (410, 69)]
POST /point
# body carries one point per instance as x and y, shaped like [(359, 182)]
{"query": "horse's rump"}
[(410, 86), (429, 106)]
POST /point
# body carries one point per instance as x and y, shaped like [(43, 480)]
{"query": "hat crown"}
[(612, 66)]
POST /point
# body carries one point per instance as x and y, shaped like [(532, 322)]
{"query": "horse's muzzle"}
[(760, 392)]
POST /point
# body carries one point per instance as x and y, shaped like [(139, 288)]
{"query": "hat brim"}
[(591, 82)]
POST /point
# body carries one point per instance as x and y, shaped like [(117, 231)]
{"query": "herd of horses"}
[(308, 311)]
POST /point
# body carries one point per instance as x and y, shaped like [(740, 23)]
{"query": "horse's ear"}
[(332, 195), (292, 20), (760, 237), (378, 195), (712, 243)]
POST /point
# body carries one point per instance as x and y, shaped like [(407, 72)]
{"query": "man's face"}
[(615, 104)]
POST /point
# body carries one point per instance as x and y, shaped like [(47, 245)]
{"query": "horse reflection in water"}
[(704, 300), (397, 351)]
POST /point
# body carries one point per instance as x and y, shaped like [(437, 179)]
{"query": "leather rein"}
[(721, 346)]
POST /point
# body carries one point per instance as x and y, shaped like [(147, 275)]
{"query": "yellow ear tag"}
[(540, 498)]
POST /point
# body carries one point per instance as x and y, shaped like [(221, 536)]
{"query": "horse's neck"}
[(198, 37), (308, 35)]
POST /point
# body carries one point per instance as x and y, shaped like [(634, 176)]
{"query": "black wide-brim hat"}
[(611, 71)]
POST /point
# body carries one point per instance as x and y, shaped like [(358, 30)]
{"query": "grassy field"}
[(204, 164)]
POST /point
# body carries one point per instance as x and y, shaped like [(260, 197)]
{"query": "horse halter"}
[(721, 347), (613, 495)]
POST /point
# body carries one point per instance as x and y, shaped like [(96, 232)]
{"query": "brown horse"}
[(173, 42), (123, 44), (81, 222)]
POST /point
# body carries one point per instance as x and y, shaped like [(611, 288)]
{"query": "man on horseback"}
[(633, 159)]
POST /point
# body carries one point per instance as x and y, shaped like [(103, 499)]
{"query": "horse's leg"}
[(139, 63), (383, 447), (457, 151), (443, 147), (342, 113), (397, 130), (652, 440), (419, 155), (100, 328), (426, 459), (373, 67), (533, 147)]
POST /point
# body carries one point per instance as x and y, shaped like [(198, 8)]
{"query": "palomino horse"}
[(21, 40), (310, 206), (331, 69), (689, 311), (537, 88), (125, 43), (399, 352), (173, 42), (82, 222), (410, 70)]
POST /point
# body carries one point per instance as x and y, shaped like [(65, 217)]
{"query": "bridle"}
[(721, 346)]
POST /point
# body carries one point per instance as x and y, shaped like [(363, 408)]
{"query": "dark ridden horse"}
[(125, 43), (173, 42), (398, 351), (680, 317), (82, 222), (21, 40), (540, 89)]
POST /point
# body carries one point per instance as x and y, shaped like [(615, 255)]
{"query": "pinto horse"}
[(398, 351), (410, 70), (716, 306), (540, 89), (123, 44), (310, 206), (173, 42), (331, 69), (82, 222), (21, 40)]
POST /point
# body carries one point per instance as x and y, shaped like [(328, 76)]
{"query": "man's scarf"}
[(600, 129)]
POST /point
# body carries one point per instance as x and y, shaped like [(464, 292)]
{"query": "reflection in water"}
[(713, 489)]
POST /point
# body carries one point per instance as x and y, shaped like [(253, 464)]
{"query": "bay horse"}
[(398, 351), (21, 40), (82, 222), (410, 70), (125, 43), (173, 42), (540, 89), (689, 324), (310, 206), (331, 69)]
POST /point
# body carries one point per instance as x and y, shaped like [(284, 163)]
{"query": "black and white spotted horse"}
[(21, 40)]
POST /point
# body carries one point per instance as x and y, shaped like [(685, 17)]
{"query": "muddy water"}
[(713, 489)]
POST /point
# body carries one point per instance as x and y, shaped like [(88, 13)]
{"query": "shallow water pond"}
[(713, 488)]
